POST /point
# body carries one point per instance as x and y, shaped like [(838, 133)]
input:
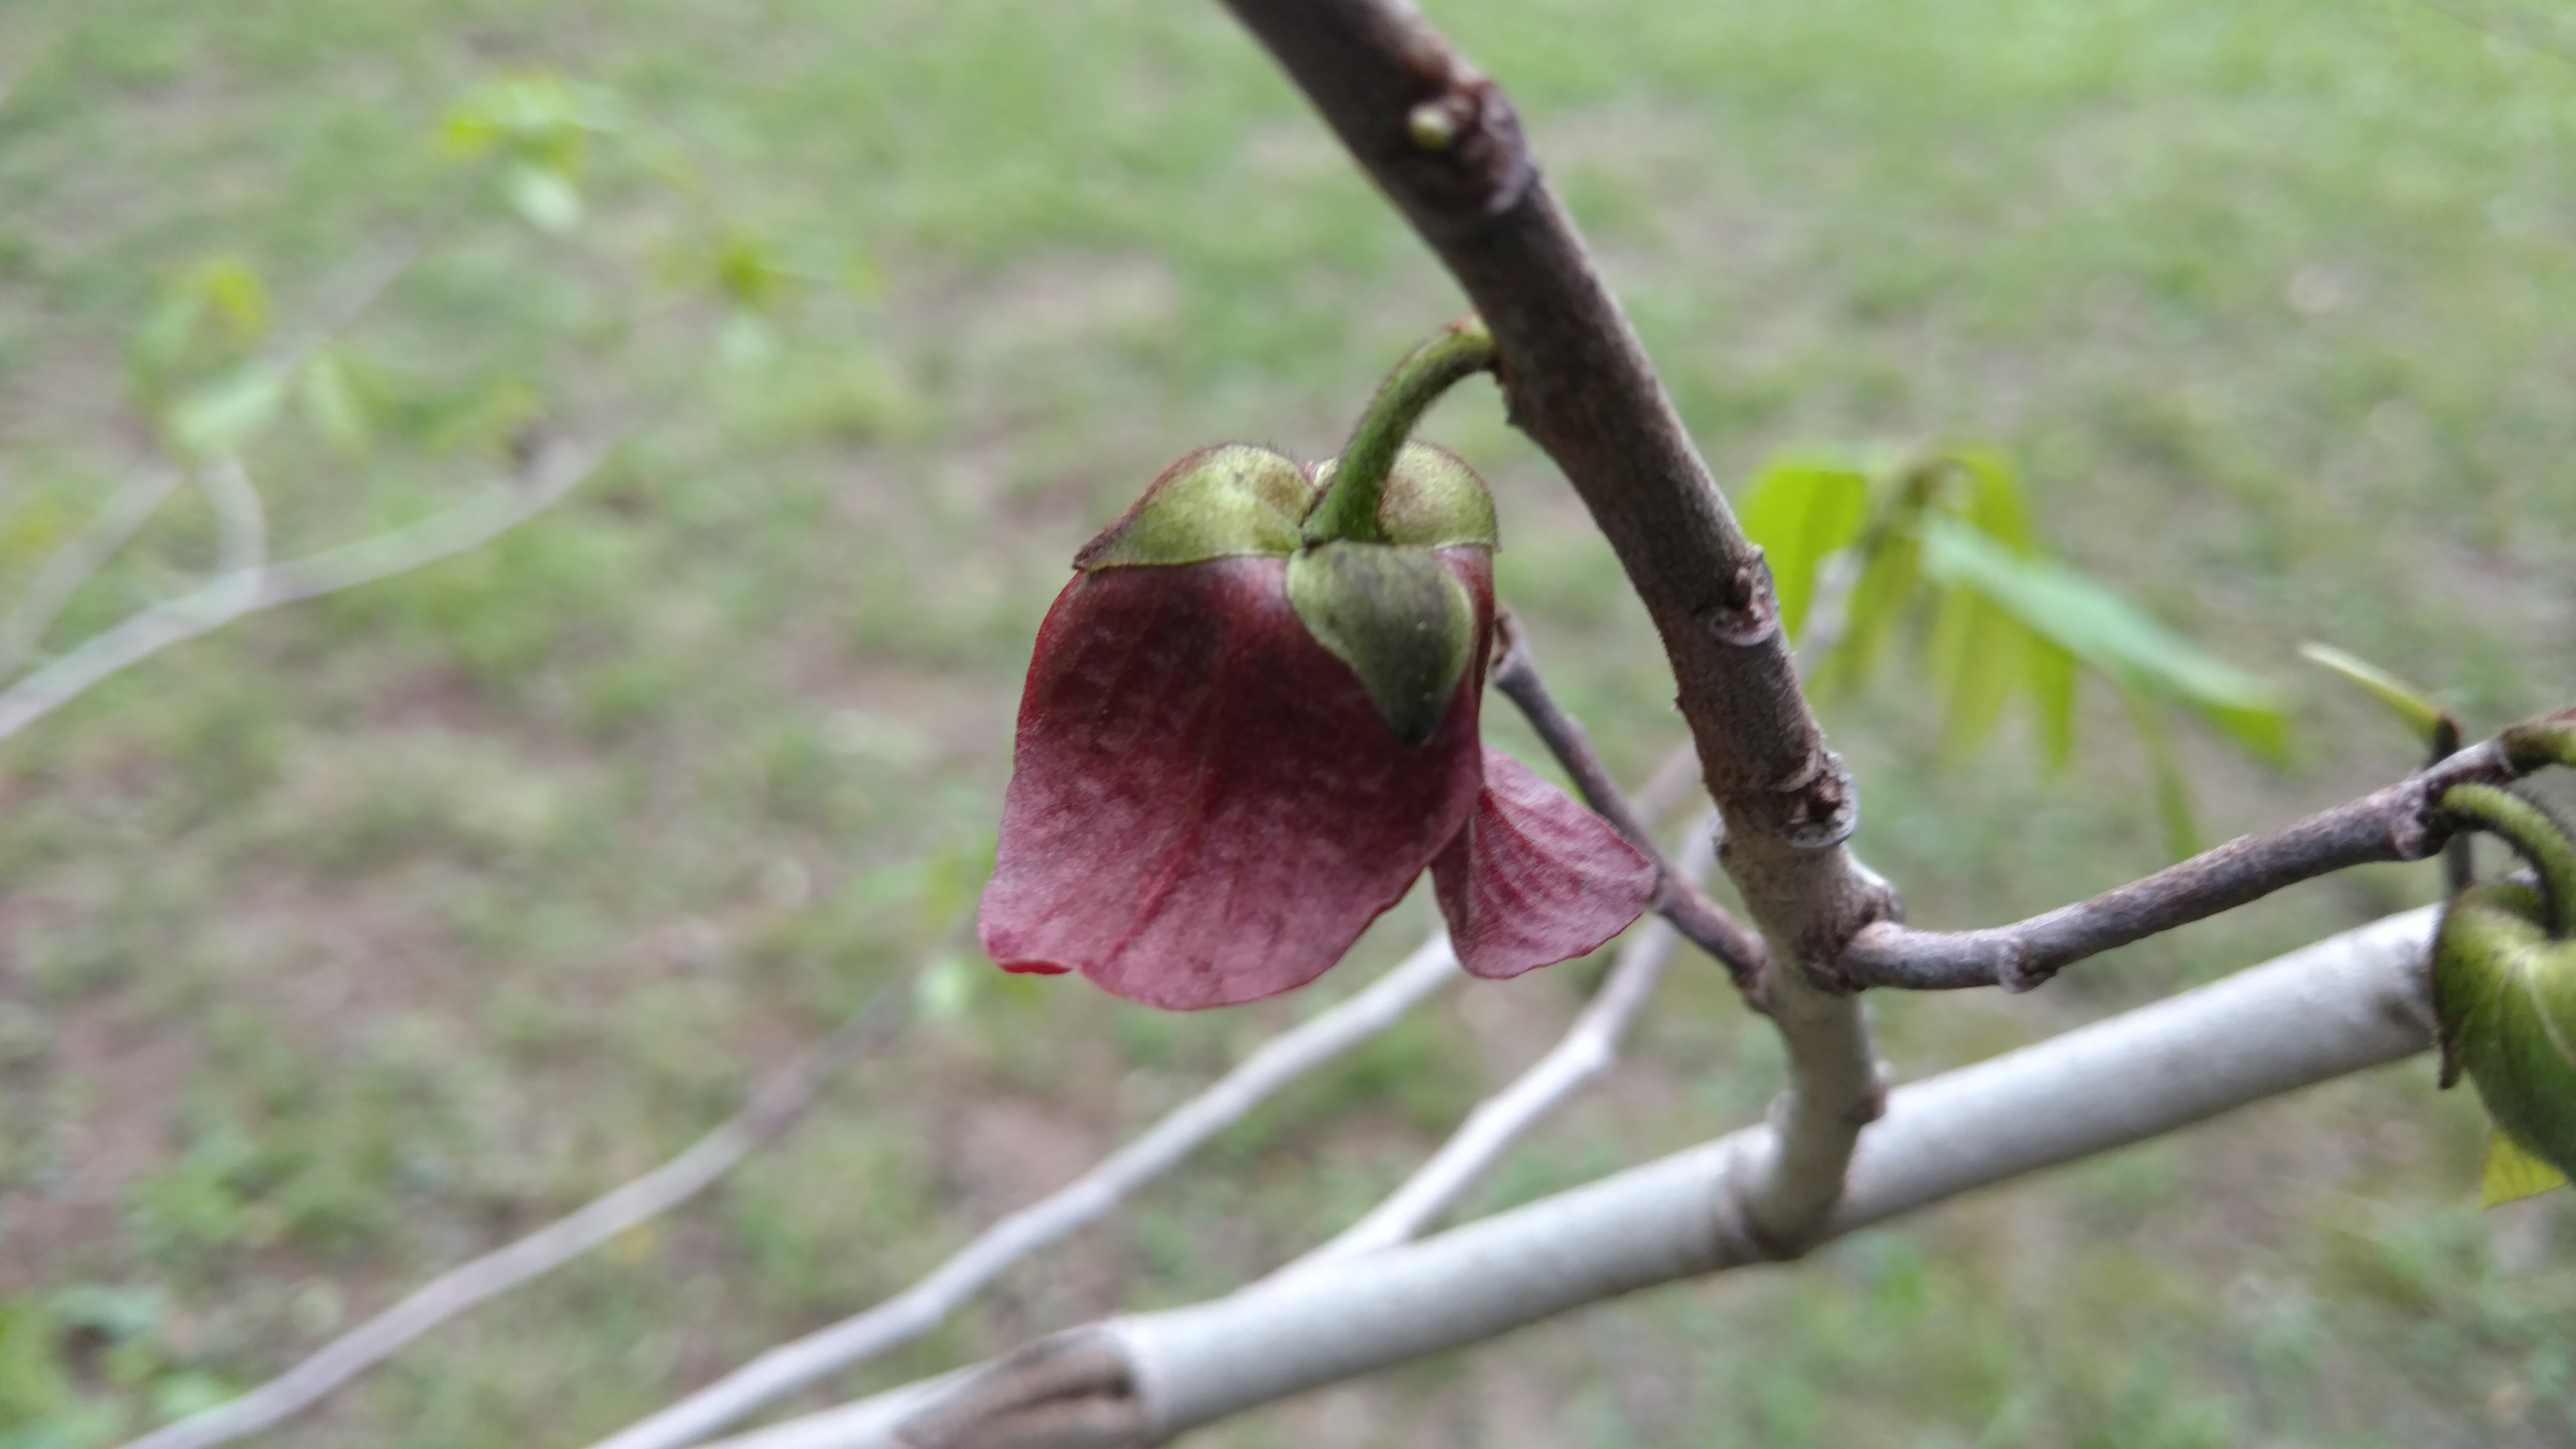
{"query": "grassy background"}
[(354, 939)]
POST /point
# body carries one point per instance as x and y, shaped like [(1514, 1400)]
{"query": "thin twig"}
[(1678, 897), (555, 469), (78, 561), (1587, 1051), (927, 1303), (2403, 822), (772, 1109)]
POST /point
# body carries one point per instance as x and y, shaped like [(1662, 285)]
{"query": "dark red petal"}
[(1535, 878), (1205, 807)]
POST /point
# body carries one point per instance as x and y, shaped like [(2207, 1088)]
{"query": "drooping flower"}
[(1239, 744)]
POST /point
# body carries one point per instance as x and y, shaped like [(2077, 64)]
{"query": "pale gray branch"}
[(556, 469), (2342, 1005), (1587, 1051), (1086, 1200), (772, 1109), (78, 561)]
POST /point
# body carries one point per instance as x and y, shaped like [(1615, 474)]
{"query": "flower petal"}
[(1535, 878), (1205, 808)]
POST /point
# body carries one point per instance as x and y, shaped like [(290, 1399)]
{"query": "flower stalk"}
[(1349, 511)]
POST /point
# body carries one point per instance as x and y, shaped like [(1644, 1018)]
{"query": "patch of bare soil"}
[(124, 1069)]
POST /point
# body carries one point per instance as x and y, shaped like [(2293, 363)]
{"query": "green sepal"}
[(2504, 991), (1432, 500), (1397, 617), (2512, 1174), (1228, 501)]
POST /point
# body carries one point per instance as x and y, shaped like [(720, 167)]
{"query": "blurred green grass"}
[(346, 942)]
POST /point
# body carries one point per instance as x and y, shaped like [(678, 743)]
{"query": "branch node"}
[(1072, 1388), (1825, 808), (1738, 1224), (1747, 615), (2421, 829), (2018, 971), (1464, 145), (1731, 1220), (1808, 771), (1434, 125), (1882, 1080)]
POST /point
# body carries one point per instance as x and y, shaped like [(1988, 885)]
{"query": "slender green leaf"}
[(165, 334), (1978, 652), (227, 413), (945, 991), (2173, 785), (2106, 632), (534, 116), (542, 194), (2052, 700), (236, 294), (1993, 504), (1801, 513), (1890, 576), (749, 274), (332, 406), (2408, 703)]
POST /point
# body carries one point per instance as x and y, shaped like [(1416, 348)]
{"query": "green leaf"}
[(944, 993), (535, 116), (543, 194), (222, 288), (227, 413), (236, 295), (1993, 503), (165, 334), (749, 275), (1978, 651), (2052, 700), (1802, 513), (2512, 1173), (2173, 784), (2108, 633), (1890, 577), (2408, 703), (332, 406)]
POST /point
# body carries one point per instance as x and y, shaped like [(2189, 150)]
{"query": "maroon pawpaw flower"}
[(1238, 747)]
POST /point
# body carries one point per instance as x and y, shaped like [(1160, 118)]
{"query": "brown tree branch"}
[(2403, 822), (1445, 145)]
